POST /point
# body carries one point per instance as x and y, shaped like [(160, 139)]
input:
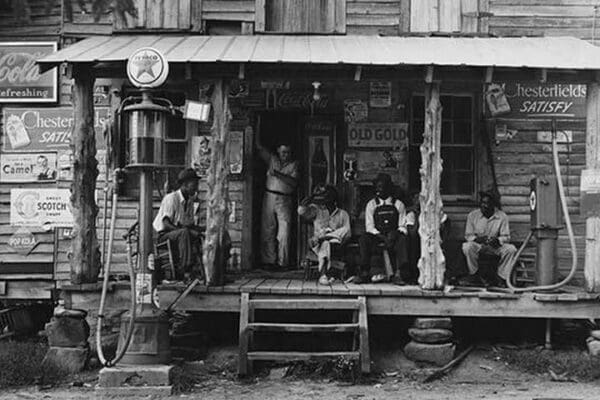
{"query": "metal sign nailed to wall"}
[(43, 129), (47, 208), (28, 167), (23, 241), (20, 78), (534, 99), (381, 134)]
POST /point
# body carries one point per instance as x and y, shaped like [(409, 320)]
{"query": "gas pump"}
[(545, 223), (144, 334)]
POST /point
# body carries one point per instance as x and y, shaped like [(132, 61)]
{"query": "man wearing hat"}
[(487, 230), (385, 222), (331, 226), (175, 220)]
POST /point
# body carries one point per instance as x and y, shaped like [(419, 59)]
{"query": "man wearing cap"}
[(331, 226), (487, 230), (385, 222), (278, 201), (175, 221)]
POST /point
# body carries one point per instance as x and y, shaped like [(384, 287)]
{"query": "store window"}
[(458, 145)]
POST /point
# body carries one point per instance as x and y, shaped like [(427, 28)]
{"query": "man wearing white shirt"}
[(385, 222), (175, 221)]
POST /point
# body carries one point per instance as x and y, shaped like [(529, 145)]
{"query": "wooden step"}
[(299, 355), (282, 327), (304, 304)]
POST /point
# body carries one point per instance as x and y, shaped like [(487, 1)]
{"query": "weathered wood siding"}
[(576, 18), (521, 158), (388, 18), (30, 20)]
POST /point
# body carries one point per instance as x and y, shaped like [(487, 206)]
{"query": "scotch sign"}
[(20, 78)]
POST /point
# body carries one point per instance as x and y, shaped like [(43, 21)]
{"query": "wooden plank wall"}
[(388, 18), (521, 158), (544, 18), (39, 20)]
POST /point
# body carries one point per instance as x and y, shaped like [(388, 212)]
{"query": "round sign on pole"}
[(147, 68)]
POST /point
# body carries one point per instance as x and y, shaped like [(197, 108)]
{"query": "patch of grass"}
[(572, 363), (20, 362)]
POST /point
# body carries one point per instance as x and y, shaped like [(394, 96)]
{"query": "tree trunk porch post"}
[(217, 197), (85, 258), (592, 157), (432, 263)]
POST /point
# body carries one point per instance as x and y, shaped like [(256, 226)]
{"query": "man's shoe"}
[(357, 279), (471, 280), (324, 280), (397, 280), (378, 278)]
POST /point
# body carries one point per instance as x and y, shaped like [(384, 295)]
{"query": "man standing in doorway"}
[(281, 183)]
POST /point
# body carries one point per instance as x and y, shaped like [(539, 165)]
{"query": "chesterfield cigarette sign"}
[(43, 129), (20, 78), (41, 207), (534, 99)]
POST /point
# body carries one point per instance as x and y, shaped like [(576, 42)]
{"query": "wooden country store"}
[(379, 84), (370, 90)]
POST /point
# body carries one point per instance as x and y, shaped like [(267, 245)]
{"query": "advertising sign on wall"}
[(28, 167), (534, 99), (41, 207), (378, 134), (20, 78), (44, 129), (380, 94), (23, 241)]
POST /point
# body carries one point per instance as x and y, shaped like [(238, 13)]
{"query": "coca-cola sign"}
[(20, 78)]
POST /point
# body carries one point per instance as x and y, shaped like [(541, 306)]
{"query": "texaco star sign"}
[(147, 68)]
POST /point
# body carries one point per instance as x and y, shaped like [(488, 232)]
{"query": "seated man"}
[(487, 230), (331, 226), (385, 222), (414, 239), (175, 222)]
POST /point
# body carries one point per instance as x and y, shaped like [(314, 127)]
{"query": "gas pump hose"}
[(565, 210), (107, 260)]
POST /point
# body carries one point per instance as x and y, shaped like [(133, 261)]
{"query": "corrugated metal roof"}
[(541, 52)]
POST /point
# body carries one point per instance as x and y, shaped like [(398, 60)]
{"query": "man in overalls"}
[(385, 222), (278, 203)]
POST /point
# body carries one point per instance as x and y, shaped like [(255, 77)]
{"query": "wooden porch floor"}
[(390, 299)]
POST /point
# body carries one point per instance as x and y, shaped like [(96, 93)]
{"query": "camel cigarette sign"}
[(41, 207), (28, 167), (20, 78)]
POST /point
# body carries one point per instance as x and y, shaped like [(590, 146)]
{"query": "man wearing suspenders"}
[(278, 202), (385, 222)]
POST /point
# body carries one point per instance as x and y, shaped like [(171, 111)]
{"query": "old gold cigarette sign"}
[(147, 68), (387, 135), (37, 207)]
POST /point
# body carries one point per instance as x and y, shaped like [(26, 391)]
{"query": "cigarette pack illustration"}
[(17, 134)]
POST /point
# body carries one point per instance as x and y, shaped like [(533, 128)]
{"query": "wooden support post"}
[(592, 157), (432, 263), (218, 189), (85, 261)]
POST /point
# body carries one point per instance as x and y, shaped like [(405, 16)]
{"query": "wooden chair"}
[(310, 264), (163, 259)]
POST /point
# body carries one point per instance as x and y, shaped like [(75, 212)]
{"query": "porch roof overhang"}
[(562, 53)]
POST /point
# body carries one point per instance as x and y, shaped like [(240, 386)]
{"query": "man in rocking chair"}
[(175, 222), (331, 226)]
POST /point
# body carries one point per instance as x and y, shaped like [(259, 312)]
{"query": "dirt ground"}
[(480, 376)]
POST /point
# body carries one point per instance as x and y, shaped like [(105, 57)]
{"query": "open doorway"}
[(275, 127)]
